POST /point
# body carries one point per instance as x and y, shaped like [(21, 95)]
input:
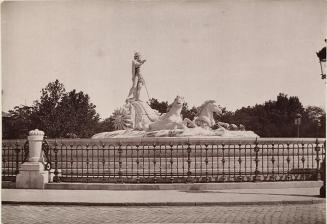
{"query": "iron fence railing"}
[(14, 153), (174, 160)]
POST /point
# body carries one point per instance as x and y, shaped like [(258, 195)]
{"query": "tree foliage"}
[(277, 118), (71, 114), (188, 113), (314, 122), (76, 115), (274, 118), (58, 113), (161, 107), (46, 108), (106, 125), (21, 120)]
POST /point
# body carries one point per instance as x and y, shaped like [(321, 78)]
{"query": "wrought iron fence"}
[(178, 160), (14, 153)]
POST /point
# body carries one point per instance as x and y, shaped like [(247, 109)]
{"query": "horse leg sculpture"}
[(188, 123)]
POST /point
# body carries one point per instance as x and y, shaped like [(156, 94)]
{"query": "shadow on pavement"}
[(256, 193)]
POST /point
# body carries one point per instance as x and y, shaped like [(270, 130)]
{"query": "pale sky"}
[(238, 53)]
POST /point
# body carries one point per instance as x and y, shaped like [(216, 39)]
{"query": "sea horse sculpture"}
[(205, 118), (172, 119)]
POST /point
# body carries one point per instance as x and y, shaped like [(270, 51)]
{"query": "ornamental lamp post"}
[(322, 61), (297, 122)]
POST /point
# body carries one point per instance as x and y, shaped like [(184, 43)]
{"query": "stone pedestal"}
[(31, 173)]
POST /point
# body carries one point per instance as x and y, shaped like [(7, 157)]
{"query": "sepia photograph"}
[(180, 111)]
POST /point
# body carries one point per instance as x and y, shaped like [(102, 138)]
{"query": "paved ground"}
[(284, 205), (297, 214), (162, 197)]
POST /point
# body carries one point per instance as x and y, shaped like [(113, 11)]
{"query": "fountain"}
[(140, 120)]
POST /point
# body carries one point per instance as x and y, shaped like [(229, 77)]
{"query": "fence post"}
[(17, 150), (120, 173), (31, 173), (56, 177), (188, 162), (256, 160), (317, 149)]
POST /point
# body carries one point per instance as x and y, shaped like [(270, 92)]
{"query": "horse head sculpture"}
[(176, 106), (172, 119), (206, 110)]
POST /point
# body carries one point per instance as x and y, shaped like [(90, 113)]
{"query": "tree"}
[(226, 116), (58, 113), (62, 114), (188, 113), (161, 107), (76, 115), (314, 122), (47, 112), (106, 125), (21, 119), (275, 118)]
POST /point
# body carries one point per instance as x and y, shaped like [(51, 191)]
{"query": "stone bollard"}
[(31, 173)]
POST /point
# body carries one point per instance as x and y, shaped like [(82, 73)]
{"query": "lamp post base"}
[(323, 192)]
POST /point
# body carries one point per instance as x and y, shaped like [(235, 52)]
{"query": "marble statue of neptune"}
[(138, 81)]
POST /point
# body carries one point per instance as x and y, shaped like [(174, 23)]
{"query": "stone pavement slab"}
[(162, 197)]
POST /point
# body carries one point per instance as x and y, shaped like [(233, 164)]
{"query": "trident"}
[(146, 90)]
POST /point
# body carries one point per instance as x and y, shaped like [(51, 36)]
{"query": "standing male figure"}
[(134, 92)]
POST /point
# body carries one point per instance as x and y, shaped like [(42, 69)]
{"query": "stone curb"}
[(188, 186), (149, 204)]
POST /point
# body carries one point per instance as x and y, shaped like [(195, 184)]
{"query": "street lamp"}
[(322, 60), (297, 122)]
